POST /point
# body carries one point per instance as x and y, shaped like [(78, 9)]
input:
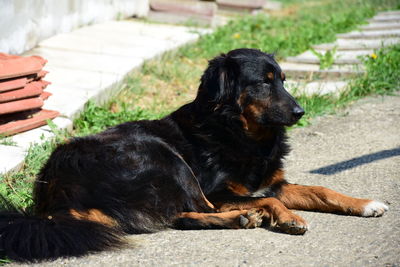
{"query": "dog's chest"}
[(239, 174)]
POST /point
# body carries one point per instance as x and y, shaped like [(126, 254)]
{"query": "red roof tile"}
[(26, 121), (31, 89), (15, 66), (20, 105)]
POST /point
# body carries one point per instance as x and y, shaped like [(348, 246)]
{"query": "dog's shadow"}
[(354, 162)]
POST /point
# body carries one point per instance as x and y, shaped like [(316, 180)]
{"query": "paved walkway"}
[(352, 153), (89, 63)]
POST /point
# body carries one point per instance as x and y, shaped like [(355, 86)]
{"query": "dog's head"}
[(252, 82)]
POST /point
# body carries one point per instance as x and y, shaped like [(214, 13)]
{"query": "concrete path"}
[(89, 63), (356, 152), (382, 30)]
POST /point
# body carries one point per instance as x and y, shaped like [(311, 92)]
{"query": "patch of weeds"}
[(7, 141), (97, 118), (381, 77), (4, 261), (326, 59), (16, 188)]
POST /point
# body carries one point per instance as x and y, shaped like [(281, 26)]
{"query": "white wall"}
[(23, 23)]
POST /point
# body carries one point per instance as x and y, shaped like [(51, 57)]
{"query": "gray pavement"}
[(356, 152)]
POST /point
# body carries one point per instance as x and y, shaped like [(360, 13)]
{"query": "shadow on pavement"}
[(354, 162)]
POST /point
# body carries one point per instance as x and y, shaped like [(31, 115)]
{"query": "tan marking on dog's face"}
[(270, 76), (93, 215), (252, 112), (249, 118)]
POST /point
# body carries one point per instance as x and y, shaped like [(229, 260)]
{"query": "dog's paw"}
[(294, 226), (374, 209), (252, 219)]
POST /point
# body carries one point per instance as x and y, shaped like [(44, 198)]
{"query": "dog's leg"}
[(231, 220), (275, 211), (319, 198)]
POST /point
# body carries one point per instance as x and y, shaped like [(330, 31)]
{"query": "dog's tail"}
[(29, 238)]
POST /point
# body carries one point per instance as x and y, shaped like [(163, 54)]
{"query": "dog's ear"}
[(217, 82)]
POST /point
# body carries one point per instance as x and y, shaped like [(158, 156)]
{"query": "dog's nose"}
[(298, 112)]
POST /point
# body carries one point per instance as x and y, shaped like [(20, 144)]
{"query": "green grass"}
[(166, 83), (16, 188), (97, 118), (7, 141), (382, 76), (312, 22)]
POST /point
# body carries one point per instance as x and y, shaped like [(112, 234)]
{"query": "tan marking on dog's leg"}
[(319, 198), (237, 188), (232, 219), (276, 212), (93, 215)]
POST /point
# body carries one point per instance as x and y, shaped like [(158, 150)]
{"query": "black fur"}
[(142, 174)]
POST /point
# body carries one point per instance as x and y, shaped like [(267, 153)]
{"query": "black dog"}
[(213, 163)]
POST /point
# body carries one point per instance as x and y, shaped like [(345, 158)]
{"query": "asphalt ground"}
[(356, 152)]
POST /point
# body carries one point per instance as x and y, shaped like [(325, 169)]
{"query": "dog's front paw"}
[(374, 209), (292, 224), (252, 219)]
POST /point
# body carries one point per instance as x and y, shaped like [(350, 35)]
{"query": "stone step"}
[(390, 12), (375, 26), (182, 11), (315, 88), (189, 7), (180, 18), (313, 71), (385, 18), (370, 34), (242, 4), (341, 57), (357, 44)]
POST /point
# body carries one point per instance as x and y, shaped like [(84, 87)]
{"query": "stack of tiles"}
[(22, 95)]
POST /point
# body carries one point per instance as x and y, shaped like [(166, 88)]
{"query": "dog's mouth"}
[(266, 122)]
